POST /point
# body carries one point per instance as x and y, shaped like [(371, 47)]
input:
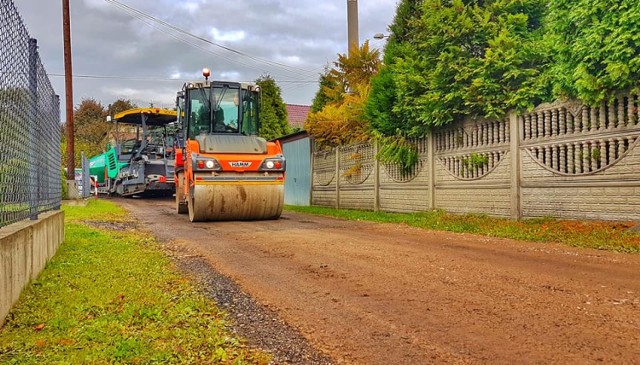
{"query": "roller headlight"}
[(205, 163), (273, 164)]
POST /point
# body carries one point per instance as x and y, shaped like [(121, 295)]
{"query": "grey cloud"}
[(107, 41)]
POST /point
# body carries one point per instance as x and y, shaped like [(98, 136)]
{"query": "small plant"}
[(596, 154), (353, 170), (476, 160), (399, 151)]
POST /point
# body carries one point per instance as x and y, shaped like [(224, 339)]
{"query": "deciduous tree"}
[(342, 119), (120, 105)]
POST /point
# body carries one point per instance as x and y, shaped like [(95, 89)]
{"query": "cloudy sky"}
[(118, 53)]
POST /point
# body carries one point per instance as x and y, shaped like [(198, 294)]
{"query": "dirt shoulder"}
[(368, 293)]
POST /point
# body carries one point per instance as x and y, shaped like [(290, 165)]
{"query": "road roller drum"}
[(236, 202)]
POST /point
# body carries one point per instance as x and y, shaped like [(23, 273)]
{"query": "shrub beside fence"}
[(29, 125), (563, 160)]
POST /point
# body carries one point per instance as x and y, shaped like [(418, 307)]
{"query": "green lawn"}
[(113, 297), (614, 236)]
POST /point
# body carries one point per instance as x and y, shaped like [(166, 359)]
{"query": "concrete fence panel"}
[(582, 162), (324, 179), (473, 168), (407, 191), (357, 176)]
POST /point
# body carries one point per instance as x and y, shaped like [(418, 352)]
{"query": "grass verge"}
[(613, 236), (113, 297)]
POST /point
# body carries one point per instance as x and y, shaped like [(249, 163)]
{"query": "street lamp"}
[(380, 36)]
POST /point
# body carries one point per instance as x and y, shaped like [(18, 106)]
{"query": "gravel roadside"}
[(261, 326)]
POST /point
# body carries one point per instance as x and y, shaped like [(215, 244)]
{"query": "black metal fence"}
[(30, 176)]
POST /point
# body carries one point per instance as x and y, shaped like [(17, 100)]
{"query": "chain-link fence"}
[(30, 180)]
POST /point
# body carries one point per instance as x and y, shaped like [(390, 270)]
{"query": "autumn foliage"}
[(91, 130), (344, 91)]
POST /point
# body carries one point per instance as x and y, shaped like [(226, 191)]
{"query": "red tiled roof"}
[(297, 114)]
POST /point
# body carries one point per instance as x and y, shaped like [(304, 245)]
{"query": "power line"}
[(161, 79), (181, 39), (106, 77)]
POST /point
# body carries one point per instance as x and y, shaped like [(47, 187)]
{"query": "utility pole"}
[(352, 25), (68, 83)]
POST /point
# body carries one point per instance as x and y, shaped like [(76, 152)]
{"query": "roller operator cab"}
[(223, 169)]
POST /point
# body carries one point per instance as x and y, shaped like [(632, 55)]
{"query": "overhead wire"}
[(180, 30), (181, 39), (147, 18), (161, 79)]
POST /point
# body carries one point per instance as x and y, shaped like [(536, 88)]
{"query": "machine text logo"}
[(239, 164)]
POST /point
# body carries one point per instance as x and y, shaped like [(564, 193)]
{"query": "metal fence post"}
[(33, 129), (86, 177), (57, 198)]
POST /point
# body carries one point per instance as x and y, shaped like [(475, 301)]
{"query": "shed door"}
[(297, 186)]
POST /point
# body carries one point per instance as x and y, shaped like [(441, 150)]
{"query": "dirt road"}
[(367, 293)]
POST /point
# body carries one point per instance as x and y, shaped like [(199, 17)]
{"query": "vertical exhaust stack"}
[(352, 25)]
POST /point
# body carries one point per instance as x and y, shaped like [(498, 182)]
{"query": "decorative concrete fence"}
[(563, 160)]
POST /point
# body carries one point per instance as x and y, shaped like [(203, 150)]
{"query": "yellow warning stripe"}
[(239, 182)]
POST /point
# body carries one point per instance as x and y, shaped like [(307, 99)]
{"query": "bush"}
[(451, 59), (595, 47)]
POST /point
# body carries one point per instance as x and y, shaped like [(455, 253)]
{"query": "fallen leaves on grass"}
[(39, 327)]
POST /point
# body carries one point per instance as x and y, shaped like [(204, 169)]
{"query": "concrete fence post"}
[(312, 166), (338, 177), (376, 176), (514, 145), (432, 169)]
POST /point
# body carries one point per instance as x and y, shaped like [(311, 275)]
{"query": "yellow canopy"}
[(153, 116)]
